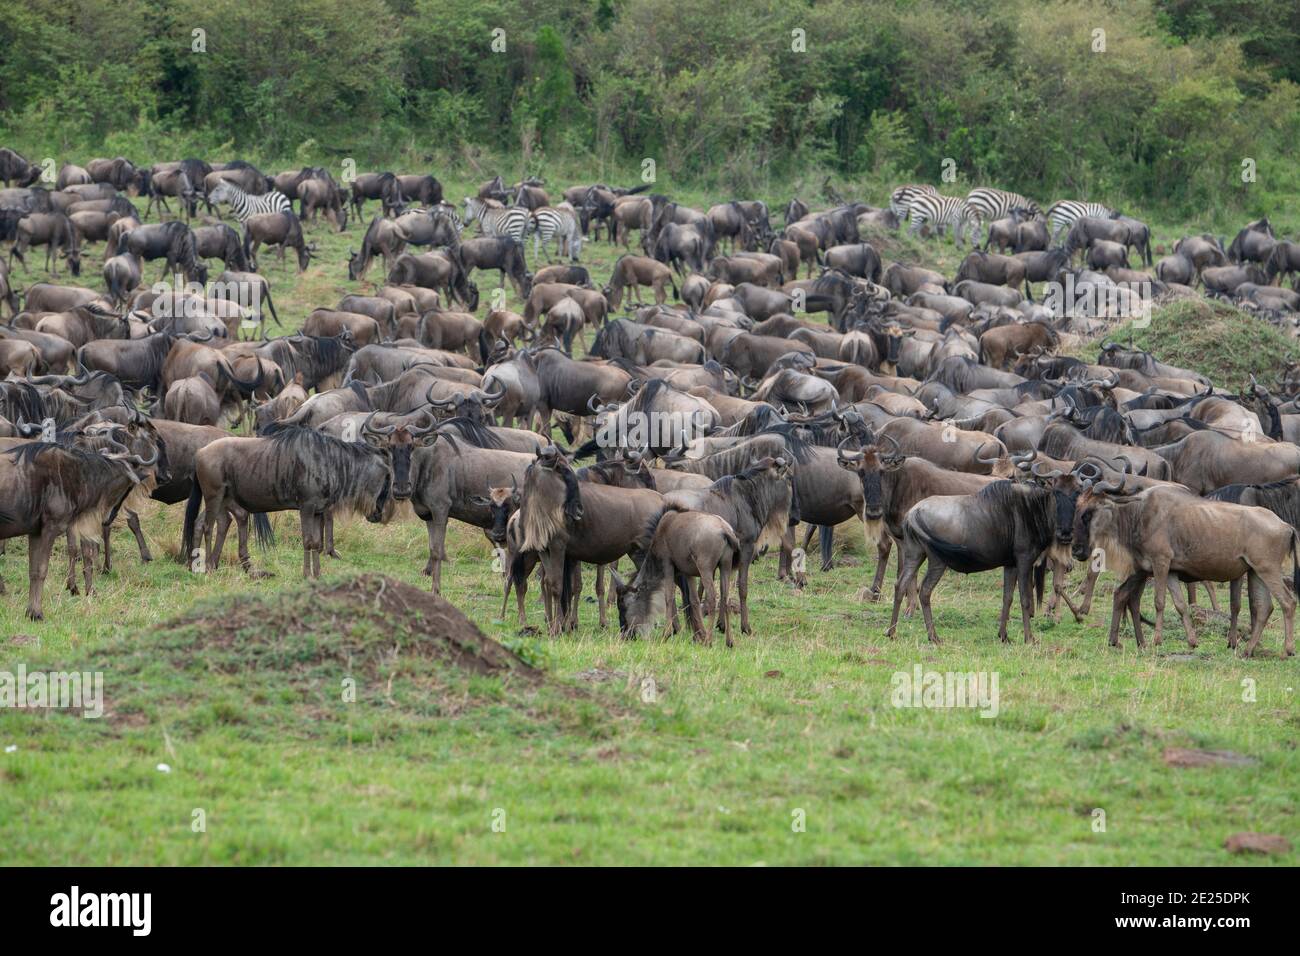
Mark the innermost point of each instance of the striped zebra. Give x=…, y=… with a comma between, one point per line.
x=990, y=205
x=243, y=204
x=901, y=198
x=558, y=223
x=942, y=212
x=497, y=220
x=1063, y=213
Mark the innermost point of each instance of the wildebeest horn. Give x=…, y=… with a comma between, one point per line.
x=856, y=456
x=417, y=431
x=1054, y=473
x=437, y=402
x=898, y=449
x=491, y=398
x=982, y=460
x=375, y=430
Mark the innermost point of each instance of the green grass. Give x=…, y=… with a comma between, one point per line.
x=242, y=700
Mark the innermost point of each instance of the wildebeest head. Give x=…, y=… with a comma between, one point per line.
x=398, y=442
x=1095, y=514
x=868, y=463
x=551, y=498
x=501, y=503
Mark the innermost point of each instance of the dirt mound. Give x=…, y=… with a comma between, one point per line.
x=363, y=621
x=367, y=654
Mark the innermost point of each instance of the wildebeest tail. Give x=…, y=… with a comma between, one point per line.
x=1040, y=577
x=1295, y=566
x=566, y=589
x=191, y=517
x=484, y=345
x=263, y=531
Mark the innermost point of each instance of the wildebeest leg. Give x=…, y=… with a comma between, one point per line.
x=436, y=525
x=1234, y=611
x=311, y=540
x=1089, y=583
x=241, y=535
x=742, y=588
x=826, y=535
x=1184, y=610
x=553, y=578
x=1008, y=589
x=70, y=581
x=223, y=527
x=600, y=595
x=1214, y=596
x=1271, y=580
x=932, y=575
x=693, y=610
x=724, y=594
x=1160, y=574
x=1025, y=575
x=909, y=560
x=88, y=565
x=574, y=570
x=710, y=598
x=1135, y=609
x=883, y=547
x=132, y=522
x=1261, y=606
x=39, y=547
x=329, y=535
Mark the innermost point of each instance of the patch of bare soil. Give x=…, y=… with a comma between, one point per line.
x=1185, y=757
x=1257, y=843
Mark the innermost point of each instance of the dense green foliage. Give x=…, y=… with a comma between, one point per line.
x=1160, y=110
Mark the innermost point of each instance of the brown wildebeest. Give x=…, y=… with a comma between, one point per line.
x=56, y=233
x=631, y=212
x=331, y=322
x=683, y=545
x=319, y=195
x=193, y=401
x=1163, y=530
x=383, y=237
x=282, y=229
x=567, y=522
x=1000, y=347
x=14, y=168
x=122, y=274
x=635, y=271
x=992, y=268
x=177, y=184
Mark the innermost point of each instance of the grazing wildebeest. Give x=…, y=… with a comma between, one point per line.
x=495, y=252
x=683, y=545
x=383, y=237
x=56, y=232
x=282, y=229
x=381, y=186
x=221, y=242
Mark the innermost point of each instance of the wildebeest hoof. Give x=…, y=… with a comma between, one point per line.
x=35, y=615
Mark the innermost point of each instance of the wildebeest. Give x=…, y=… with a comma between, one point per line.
x=1161, y=531
x=57, y=233
x=16, y=169
x=172, y=242
x=296, y=469
x=51, y=491
x=682, y=545
x=1006, y=524
x=282, y=229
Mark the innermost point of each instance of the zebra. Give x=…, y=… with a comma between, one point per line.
x=1063, y=213
x=496, y=220
x=990, y=205
x=558, y=223
x=900, y=199
x=244, y=205
x=942, y=211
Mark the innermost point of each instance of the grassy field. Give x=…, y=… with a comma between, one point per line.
x=785, y=750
